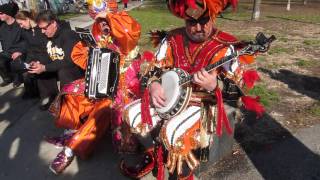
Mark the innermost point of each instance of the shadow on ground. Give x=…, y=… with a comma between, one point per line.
x=307, y=85
x=274, y=151
x=24, y=154
x=267, y=150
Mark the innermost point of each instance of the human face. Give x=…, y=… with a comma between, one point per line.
x=104, y=26
x=24, y=23
x=199, y=30
x=4, y=17
x=48, y=28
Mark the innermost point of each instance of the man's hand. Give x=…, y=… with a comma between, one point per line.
x=36, y=68
x=15, y=55
x=32, y=63
x=206, y=80
x=157, y=95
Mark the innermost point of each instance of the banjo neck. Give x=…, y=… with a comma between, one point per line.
x=210, y=67
x=261, y=44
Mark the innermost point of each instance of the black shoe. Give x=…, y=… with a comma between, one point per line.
x=5, y=83
x=45, y=103
x=16, y=83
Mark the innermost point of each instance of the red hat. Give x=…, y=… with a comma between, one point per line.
x=194, y=9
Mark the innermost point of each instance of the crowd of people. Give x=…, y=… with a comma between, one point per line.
x=41, y=50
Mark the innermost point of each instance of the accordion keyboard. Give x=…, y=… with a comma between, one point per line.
x=104, y=72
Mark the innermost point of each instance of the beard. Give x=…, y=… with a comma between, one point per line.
x=198, y=37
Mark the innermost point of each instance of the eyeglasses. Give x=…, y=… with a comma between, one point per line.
x=46, y=27
x=201, y=21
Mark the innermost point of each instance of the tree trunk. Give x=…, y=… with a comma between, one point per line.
x=304, y=2
x=256, y=10
x=288, y=5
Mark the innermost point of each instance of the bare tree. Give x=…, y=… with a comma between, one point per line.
x=288, y=5
x=256, y=10
x=304, y=2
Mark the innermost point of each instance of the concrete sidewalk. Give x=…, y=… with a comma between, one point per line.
x=84, y=21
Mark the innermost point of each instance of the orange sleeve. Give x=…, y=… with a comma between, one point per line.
x=80, y=54
x=125, y=30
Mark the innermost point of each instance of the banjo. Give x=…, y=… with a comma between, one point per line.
x=174, y=81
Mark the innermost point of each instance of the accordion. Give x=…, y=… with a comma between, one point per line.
x=102, y=74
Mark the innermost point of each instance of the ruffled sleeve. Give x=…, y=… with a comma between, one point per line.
x=79, y=55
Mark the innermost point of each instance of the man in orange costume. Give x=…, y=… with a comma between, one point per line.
x=89, y=119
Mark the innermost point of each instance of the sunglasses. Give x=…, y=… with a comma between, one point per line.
x=201, y=21
x=46, y=27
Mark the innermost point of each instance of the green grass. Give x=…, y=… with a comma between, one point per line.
x=261, y=58
x=245, y=37
x=303, y=63
x=315, y=109
x=68, y=16
x=312, y=42
x=243, y=13
x=303, y=18
x=151, y=18
x=283, y=39
x=278, y=50
x=267, y=97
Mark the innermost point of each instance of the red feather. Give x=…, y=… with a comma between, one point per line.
x=222, y=119
x=252, y=104
x=160, y=175
x=192, y=3
x=145, y=108
x=147, y=56
x=250, y=77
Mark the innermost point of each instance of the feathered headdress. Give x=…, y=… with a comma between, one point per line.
x=194, y=9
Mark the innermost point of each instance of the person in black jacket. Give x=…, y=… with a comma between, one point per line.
x=36, y=42
x=10, y=37
x=61, y=40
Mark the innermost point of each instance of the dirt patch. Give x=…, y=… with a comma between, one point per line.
x=290, y=68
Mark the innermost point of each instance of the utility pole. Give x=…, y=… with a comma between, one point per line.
x=288, y=5
x=256, y=10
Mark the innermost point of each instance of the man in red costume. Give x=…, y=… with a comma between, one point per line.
x=88, y=119
x=188, y=138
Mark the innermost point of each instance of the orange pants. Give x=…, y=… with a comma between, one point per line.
x=96, y=117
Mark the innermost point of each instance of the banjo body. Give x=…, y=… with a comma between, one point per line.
x=177, y=96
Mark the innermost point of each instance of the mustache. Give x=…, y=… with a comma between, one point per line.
x=199, y=32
